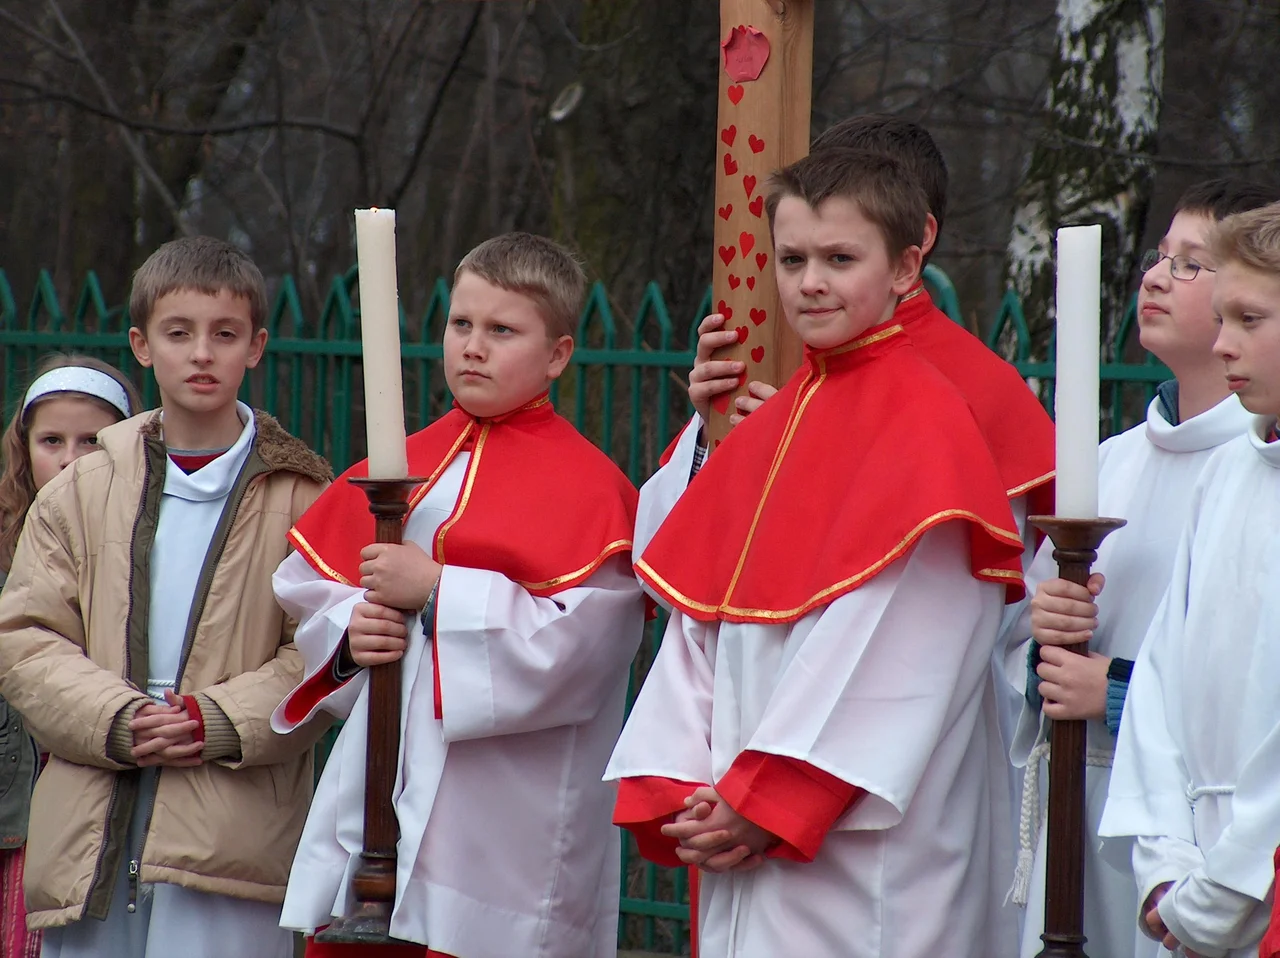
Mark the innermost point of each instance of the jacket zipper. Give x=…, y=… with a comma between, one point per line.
x=128, y=667
x=252, y=468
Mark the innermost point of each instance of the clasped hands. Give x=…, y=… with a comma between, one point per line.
x=165, y=734
x=396, y=579
x=1156, y=927
x=1073, y=686
x=715, y=838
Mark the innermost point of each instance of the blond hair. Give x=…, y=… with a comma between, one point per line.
x=537, y=268
x=199, y=263
x=1251, y=239
x=17, y=483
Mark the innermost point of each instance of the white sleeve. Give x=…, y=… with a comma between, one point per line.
x=1211, y=919
x=668, y=734
x=908, y=652
x=322, y=609
x=1159, y=860
x=659, y=494
x=1147, y=794
x=509, y=661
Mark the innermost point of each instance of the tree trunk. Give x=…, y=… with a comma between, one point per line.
x=1089, y=165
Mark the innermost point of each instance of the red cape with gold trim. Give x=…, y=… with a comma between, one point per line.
x=865, y=449
x=1014, y=424
x=1017, y=428
x=539, y=504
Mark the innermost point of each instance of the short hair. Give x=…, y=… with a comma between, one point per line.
x=1251, y=238
x=876, y=182
x=202, y=264
x=537, y=268
x=1225, y=196
x=908, y=143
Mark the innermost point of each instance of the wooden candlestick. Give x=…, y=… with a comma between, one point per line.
x=1076, y=544
x=374, y=883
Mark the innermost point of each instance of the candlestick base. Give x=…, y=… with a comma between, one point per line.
x=374, y=884
x=1076, y=544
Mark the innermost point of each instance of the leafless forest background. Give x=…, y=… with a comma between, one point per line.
x=126, y=122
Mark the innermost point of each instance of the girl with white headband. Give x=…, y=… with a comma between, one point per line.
x=68, y=401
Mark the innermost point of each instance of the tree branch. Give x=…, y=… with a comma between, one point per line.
x=131, y=144
x=139, y=125
x=433, y=111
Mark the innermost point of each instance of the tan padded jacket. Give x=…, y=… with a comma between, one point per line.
x=73, y=656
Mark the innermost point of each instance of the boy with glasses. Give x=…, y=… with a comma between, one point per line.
x=1146, y=475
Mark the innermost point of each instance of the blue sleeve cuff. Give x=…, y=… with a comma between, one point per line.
x=1117, y=688
x=1032, y=693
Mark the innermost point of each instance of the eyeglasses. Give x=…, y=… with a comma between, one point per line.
x=1182, y=267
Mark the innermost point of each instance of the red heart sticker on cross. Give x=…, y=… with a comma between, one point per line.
x=758, y=316
x=749, y=183
x=756, y=206
x=730, y=166
x=756, y=144
x=735, y=94
x=726, y=211
x=751, y=282
x=742, y=332
x=734, y=282
x=729, y=134
x=727, y=253
x=724, y=310
x=761, y=259
x=748, y=242
x=757, y=354
x=721, y=403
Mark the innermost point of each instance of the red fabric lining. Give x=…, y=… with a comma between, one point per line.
x=792, y=799
x=670, y=450
x=317, y=950
x=192, y=705
x=644, y=805
x=311, y=692
x=435, y=663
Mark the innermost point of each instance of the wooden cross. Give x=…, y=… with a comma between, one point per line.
x=763, y=125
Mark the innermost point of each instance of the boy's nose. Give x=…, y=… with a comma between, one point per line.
x=1159, y=276
x=1224, y=347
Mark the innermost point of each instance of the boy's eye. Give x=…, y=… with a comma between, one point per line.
x=841, y=258
x=90, y=440
x=51, y=440
x=791, y=259
x=502, y=329
x=459, y=322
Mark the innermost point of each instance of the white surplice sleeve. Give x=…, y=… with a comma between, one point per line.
x=322, y=609
x=659, y=494
x=1149, y=778
x=510, y=662
x=668, y=733
x=884, y=674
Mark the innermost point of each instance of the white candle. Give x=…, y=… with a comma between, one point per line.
x=380, y=342
x=1076, y=399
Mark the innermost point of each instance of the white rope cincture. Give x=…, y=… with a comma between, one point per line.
x=1031, y=819
x=1204, y=791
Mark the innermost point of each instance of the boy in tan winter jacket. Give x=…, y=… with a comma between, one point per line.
x=140, y=640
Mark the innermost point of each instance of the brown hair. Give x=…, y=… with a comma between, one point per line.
x=1217, y=199
x=17, y=485
x=908, y=143
x=537, y=268
x=1251, y=238
x=199, y=263
x=880, y=185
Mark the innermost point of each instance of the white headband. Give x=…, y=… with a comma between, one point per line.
x=78, y=379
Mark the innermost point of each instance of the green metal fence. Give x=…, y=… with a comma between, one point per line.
x=625, y=389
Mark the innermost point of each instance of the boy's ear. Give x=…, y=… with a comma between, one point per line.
x=907, y=271
x=257, y=345
x=930, y=233
x=561, y=353
x=141, y=349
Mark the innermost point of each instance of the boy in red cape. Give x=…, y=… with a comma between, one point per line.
x=523, y=620
x=818, y=732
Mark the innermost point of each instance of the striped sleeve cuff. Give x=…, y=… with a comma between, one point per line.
x=1118, y=674
x=119, y=736
x=221, y=740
